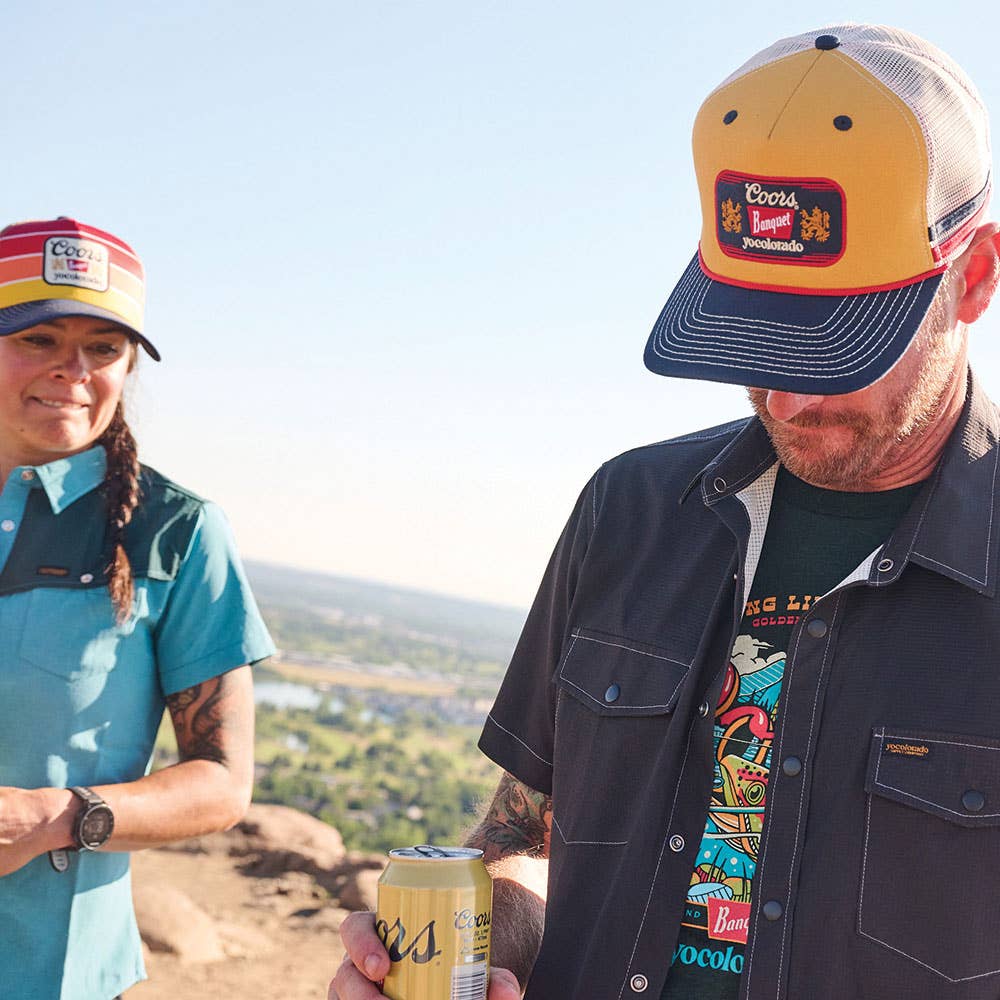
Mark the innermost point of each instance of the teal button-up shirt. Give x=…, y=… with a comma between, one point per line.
x=81, y=696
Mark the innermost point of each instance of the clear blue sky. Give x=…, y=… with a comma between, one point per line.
x=402, y=257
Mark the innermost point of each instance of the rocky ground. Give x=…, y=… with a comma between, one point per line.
x=249, y=913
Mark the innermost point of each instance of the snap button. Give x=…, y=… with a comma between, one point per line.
x=884, y=565
x=772, y=910
x=612, y=693
x=87, y=578
x=27, y=475
x=677, y=843
x=719, y=484
x=973, y=800
x=791, y=766
x=704, y=708
x=7, y=525
x=639, y=984
x=816, y=628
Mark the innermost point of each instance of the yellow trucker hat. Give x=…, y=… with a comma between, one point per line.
x=840, y=172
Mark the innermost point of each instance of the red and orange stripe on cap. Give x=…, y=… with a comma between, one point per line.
x=29, y=252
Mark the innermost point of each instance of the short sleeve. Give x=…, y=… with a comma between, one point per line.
x=210, y=623
x=518, y=733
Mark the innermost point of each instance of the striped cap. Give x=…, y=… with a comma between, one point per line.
x=65, y=268
x=840, y=172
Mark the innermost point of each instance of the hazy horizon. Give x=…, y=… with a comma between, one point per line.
x=402, y=260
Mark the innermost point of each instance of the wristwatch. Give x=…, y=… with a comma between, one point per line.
x=92, y=827
x=94, y=823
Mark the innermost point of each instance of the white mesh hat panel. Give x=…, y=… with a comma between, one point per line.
x=942, y=98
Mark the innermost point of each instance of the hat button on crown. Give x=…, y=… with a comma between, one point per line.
x=827, y=42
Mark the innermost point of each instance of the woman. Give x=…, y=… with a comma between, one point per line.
x=119, y=592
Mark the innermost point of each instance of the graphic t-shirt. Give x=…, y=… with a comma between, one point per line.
x=814, y=539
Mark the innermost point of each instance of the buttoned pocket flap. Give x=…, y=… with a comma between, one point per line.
x=612, y=675
x=953, y=777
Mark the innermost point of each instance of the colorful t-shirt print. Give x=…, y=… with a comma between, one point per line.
x=815, y=538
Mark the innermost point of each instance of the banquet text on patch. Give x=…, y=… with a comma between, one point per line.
x=780, y=220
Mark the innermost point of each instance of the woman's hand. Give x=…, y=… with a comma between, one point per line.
x=32, y=821
x=366, y=963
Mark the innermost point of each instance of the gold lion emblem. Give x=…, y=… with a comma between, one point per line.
x=815, y=225
x=732, y=216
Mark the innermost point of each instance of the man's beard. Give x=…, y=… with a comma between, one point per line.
x=866, y=442
x=850, y=463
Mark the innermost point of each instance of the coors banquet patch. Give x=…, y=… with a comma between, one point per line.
x=781, y=220
x=70, y=260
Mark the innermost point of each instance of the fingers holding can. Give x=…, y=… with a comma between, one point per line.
x=365, y=962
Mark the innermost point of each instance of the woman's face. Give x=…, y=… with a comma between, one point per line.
x=59, y=385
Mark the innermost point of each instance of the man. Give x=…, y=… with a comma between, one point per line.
x=754, y=704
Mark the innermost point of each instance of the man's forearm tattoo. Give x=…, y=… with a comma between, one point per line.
x=517, y=821
x=200, y=715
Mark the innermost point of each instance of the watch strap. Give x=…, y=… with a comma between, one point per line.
x=88, y=795
x=59, y=859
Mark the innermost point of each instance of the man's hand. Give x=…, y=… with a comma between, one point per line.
x=514, y=838
x=367, y=963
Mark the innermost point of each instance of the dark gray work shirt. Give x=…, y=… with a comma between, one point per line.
x=877, y=877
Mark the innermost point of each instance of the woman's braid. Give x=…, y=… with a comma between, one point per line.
x=121, y=489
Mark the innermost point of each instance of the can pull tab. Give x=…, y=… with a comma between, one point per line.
x=429, y=851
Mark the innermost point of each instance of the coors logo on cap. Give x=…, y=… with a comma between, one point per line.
x=73, y=261
x=780, y=220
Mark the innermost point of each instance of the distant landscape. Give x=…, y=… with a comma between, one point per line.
x=369, y=715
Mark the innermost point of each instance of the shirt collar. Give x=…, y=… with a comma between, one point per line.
x=952, y=527
x=67, y=479
x=744, y=459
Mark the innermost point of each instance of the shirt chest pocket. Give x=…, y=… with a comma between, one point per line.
x=930, y=879
x=615, y=702
x=73, y=634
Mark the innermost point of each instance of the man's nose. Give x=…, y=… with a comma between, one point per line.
x=785, y=405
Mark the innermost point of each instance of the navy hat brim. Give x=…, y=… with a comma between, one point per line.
x=817, y=344
x=14, y=319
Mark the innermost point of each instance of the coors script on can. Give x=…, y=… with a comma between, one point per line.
x=433, y=917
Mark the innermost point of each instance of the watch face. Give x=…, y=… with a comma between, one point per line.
x=96, y=826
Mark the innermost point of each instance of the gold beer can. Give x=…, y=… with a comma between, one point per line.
x=433, y=916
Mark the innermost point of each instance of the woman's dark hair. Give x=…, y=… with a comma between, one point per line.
x=121, y=489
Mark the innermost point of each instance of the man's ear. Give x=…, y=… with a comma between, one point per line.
x=979, y=267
